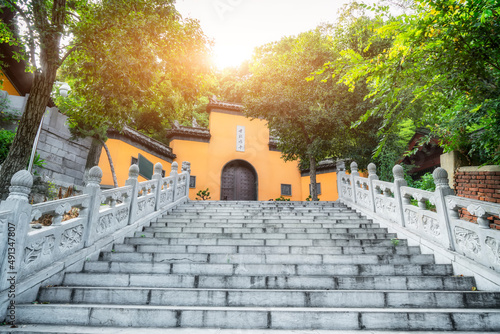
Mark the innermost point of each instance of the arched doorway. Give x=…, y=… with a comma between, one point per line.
x=238, y=182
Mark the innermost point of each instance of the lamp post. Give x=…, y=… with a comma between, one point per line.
x=64, y=89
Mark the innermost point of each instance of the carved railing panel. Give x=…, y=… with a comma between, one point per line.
x=363, y=197
x=476, y=241
x=385, y=204
x=345, y=186
x=436, y=216
x=49, y=244
x=167, y=190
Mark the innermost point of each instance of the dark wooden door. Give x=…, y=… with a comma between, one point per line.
x=238, y=182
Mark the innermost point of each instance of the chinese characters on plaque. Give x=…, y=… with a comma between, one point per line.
x=240, y=138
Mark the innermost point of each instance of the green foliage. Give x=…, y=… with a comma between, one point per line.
x=140, y=64
x=37, y=162
x=203, y=195
x=308, y=198
x=395, y=242
x=282, y=199
x=6, y=138
x=442, y=68
x=426, y=182
x=231, y=83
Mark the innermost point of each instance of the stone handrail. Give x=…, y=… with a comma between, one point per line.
x=35, y=254
x=441, y=226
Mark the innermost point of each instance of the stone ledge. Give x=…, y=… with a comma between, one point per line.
x=490, y=168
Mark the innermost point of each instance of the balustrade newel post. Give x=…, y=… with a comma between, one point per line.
x=175, y=175
x=186, y=167
x=158, y=177
x=399, y=181
x=443, y=189
x=15, y=228
x=133, y=175
x=354, y=173
x=93, y=188
x=340, y=172
x=372, y=175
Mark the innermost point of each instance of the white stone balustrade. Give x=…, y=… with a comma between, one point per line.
x=439, y=228
x=38, y=255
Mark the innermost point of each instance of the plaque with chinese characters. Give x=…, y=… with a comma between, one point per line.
x=240, y=138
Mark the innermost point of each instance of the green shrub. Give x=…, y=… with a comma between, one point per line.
x=6, y=139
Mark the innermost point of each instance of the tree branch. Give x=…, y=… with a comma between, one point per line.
x=31, y=41
x=66, y=55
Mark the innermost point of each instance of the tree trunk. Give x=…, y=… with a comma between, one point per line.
x=312, y=176
x=111, y=166
x=92, y=157
x=20, y=149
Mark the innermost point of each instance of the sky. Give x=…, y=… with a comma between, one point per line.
x=238, y=26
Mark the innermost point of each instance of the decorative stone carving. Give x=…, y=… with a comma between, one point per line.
x=372, y=169
x=431, y=226
x=71, y=238
x=440, y=176
x=133, y=172
x=21, y=184
x=390, y=207
x=174, y=168
x=61, y=209
x=467, y=240
x=122, y=215
x=42, y=247
x=141, y=206
x=411, y=218
x=363, y=198
x=158, y=168
x=494, y=247
x=95, y=176
x=163, y=198
x=398, y=172
x=354, y=167
x=105, y=223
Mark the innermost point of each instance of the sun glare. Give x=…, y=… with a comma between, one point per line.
x=230, y=57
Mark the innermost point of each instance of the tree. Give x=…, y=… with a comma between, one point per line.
x=310, y=117
x=119, y=55
x=444, y=67
x=231, y=83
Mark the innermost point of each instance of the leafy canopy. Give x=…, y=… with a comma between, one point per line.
x=443, y=67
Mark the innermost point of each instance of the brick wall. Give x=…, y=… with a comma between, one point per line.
x=482, y=184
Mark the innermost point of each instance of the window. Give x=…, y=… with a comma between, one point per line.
x=192, y=181
x=146, y=167
x=286, y=190
x=318, y=188
x=134, y=161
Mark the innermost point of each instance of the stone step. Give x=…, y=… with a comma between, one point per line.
x=437, y=283
x=267, y=222
x=65, y=329
x=210, y=223
x=269, y=298
x=253, y=317
x=228, y=269
x=351, y=250
x=258, y=231
x=267, y=217
x=258, y=236
x=262, y=242
x=265, y=210
x=266, y=258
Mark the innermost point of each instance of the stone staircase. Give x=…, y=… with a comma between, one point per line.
x=297, y=267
